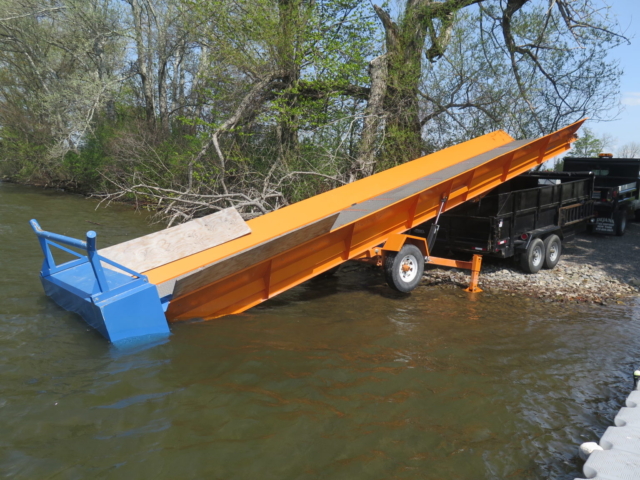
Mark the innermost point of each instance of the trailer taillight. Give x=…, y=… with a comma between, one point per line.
x=524, y=236
x=502, y=242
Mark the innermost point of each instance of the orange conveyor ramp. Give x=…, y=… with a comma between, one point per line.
x=293, y=244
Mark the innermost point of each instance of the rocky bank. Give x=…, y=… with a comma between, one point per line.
x=593, y=269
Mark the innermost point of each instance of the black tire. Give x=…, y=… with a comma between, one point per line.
x=552, y=251
x=620, y=220
x=532, y=260
x=636, y=214
x=403, y=270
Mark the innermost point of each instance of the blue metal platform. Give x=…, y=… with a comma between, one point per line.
x=121, y=304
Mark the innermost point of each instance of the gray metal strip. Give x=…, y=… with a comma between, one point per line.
x=374, y=204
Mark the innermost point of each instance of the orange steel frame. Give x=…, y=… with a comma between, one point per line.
x=242, y=290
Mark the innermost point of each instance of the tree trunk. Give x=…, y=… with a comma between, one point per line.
x=287, y=129
x=365, y=163
x=405, y=43
x=163, y=107
x=178, y=81
x=143, y=60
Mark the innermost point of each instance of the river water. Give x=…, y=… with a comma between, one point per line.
x=338, y=379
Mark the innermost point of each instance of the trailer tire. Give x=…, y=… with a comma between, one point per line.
x=620, y=222
x=532, y=260
x=552, y=251
x=403, y=270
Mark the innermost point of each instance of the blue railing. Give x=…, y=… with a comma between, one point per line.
x=49, y=267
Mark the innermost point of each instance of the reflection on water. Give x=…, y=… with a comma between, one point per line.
x=340, y=378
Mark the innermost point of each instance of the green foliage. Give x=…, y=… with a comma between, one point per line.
x=20, y=160
x=103, y=95
x=558, y=166
x=82, y=167
x=587, y=145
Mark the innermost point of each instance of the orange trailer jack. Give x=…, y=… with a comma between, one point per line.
x=476, y=263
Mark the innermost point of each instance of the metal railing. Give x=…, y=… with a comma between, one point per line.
x=49, y=267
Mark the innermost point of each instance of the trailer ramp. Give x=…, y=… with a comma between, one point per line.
x=291, y=245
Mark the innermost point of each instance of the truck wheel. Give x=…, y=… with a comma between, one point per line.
x=621, y=222
x=553, y=250
x=403, y=270
x=532, y=260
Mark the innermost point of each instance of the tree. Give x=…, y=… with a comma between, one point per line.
x=58, y=69
x=588, y=144
x=292, y=109
x=199, y=105
x=630, y=150
x=537, y=66
x=284, y=84
x=298, y=69
x=405, y=44
x=558, y=165
x=167, y=54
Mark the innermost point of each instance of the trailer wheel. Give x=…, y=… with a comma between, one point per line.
x=403, y=270
x=532, y=260
x=553, y=250
x=620, y=220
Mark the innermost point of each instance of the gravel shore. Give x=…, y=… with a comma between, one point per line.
x=593, y=269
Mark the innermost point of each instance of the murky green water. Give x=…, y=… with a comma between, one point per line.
x=338, y=379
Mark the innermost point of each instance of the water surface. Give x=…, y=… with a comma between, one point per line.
x=337, y=379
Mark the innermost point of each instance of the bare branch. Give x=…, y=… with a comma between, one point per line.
x=33, y=14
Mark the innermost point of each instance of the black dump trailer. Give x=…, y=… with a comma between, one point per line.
x=617, y=185
x=527, y=218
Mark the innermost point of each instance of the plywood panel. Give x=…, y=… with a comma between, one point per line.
x=160, y=248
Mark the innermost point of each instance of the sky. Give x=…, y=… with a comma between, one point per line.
x=626, y=128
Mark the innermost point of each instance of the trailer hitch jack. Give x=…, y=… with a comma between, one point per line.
x=474, y=265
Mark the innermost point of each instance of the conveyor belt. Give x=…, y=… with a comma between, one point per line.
x=287, y=246
x=296, y=248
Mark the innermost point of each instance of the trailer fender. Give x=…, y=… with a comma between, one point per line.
x=547, y=232
x=395, y=243
x=522, y=245
x=541, y=234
